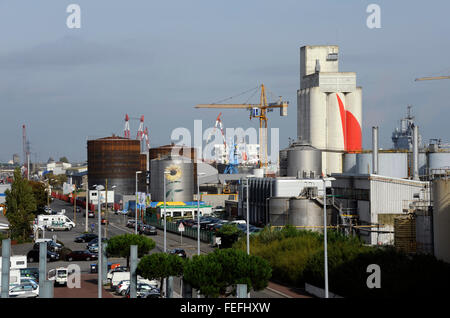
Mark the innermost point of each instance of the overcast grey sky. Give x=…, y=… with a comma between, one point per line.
x=160, y=58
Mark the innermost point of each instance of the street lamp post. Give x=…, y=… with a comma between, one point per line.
x=106, y=213
x=87, y=206
x=99, y=266
x=198, y=212
x=135, y=208
x=325, y=246
x=247, y=208
x=165, y=204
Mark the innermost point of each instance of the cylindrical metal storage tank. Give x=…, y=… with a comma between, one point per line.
x=116, y=159
x=307, y=214
x=390, y=164
x=349, y=163
x=278, y=211
x=304, y=162
x=393, y=164
x=438, y=160
x=441, y=218
x=364, y=163
x=180, y=182
x=318, y=113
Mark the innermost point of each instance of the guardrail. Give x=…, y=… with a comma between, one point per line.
x=205, y=236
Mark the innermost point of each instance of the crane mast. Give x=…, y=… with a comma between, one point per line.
x=256, y=111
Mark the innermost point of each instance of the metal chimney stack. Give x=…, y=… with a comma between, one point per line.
x=375, y=150
x=416, y=153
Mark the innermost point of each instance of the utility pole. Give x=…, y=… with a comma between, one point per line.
x=87, y=204
x=74, y=205
x=106, y=212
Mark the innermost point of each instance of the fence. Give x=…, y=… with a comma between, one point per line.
x=205, y=236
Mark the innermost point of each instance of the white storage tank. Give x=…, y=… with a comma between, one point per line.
x=438, y=160
x=304, y=162
x=390, y=164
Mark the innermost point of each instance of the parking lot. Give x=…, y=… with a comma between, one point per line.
x=117, y=226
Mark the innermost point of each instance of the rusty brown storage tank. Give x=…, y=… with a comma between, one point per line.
x=116, y=159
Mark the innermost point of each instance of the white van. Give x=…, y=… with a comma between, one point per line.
x=117, y=277
x=55, y=221
x=58, y=275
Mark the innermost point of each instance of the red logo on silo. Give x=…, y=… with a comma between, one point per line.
x=351, y=129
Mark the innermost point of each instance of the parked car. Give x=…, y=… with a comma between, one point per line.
x=130, y=223
x=121, y=288
x=32, y=273
x=33, y=256
x=87, y=237
x=178, y=251
x=147, y=230
x=51, y=245
x=151, y=293
x=93, y=248
x=80, y=256
x=95, y=242
x=91, y=214
x=144, y=291
x=28, y=289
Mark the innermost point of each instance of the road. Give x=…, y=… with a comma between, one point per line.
x=117, y=227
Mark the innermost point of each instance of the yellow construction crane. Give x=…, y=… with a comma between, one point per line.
x=432, y=78
x=257, y=111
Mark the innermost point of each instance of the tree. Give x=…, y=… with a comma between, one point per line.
x=20, y=203
x=160, y=266
x=229, y=233
x=56, y=180
x=119, y=246
x=40, y=195
x=64, y=159
x=216, y=274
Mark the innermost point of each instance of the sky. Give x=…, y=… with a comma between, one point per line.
x=161, y=58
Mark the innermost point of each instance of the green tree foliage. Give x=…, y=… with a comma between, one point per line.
x=40, y=195
x=297, y=256
x=402, y=275
x=64, y=159
x=56, y=181
x=229, y=233
x=287, y=251
x=20, y=203
x=119, y=246
x=159, y=266
x=216, y=274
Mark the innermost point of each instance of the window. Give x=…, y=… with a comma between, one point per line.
x=177, y=213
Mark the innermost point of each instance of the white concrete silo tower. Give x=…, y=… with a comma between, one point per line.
x=329, y=106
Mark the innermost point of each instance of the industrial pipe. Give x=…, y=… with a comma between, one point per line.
x=375, y=150
x=416, y=153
